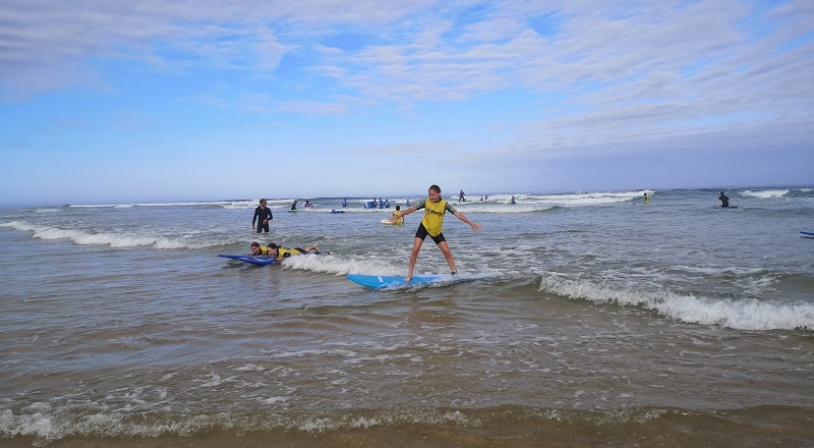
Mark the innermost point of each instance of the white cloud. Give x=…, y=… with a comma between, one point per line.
x=622, y=70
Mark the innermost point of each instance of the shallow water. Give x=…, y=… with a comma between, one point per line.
x=578, y=320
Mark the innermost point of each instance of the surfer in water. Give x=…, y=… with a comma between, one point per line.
x=432, y=224
x=400, y=220
x=262, y=215
x=285, y=252
x=294, y=206
x=257, y=249
x=724, y=200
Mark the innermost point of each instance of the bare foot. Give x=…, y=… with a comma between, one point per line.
x=407, y=279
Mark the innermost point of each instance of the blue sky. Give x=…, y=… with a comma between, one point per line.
x=132, y=101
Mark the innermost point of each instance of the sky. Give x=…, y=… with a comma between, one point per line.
x=130, y=101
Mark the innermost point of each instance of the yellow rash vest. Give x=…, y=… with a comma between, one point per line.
x=434, y=216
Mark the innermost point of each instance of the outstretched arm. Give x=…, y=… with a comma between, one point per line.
x=463, y=218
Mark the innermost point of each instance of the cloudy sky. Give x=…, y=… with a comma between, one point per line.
x=194, y=100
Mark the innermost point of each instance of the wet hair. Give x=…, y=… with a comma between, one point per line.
x=273, y=246
x=435, y=188
x=262, y=201
x=398, y=208
x=255, y=244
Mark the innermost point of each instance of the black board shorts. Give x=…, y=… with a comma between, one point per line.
x=422, y=233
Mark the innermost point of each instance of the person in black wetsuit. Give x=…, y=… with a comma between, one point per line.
x=724, y=200
x=262, y=215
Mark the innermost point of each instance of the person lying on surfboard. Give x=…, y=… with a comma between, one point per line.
x=257, y=249
x=434, y=209
x=285, y=252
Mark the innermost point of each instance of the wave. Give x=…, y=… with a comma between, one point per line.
x=571, y=199
x=744, y=314
x=338, y=266
x=116, y=240
x=764, y=194
x=229, y=204
x=446, y=426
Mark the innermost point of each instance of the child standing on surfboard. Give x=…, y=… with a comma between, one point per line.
x=434, y=209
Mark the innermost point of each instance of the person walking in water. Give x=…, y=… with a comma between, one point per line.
x=262, y=215
x=724, y=200
x=432, y=224
x=461, y=197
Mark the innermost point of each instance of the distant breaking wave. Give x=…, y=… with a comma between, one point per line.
x=117, y=240
x=745, y=314
x=765, y=194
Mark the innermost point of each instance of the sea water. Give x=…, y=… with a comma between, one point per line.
x=580, y=319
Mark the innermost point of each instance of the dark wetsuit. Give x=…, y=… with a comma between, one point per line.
x=261, y=214
x=724, y=200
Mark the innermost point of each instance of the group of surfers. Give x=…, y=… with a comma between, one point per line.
x=434, y=206
x=273, y=250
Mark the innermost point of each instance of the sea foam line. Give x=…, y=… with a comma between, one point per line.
x=116, y=240
x=765, y=194
x=744, y=314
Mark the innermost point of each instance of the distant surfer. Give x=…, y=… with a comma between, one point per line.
x=344, y=202
x=262, y=215
x=432, y=224
x=285, y=252
x=724, y=200
x=408, y=202
x=461, y=197
x=514, y=201
x=307, y=203
x=646, y=199
x=294, y=206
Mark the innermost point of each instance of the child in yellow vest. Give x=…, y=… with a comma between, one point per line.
x=400, y=220
x=434, y=209
x=258, y=250
x=285, y=252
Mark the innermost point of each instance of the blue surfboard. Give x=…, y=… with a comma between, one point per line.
x=391, y=281
x=807, y=233
x=259, y=260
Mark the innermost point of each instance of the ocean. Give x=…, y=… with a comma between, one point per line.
x=585, y=319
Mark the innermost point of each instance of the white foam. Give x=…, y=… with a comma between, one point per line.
x=743, y=314
x=503, y=209
x=732, y=270
x=336, y=265
x=765, y=194
x=117, y=240
x=314, y=352
x=274, y=400
x=569, y=199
